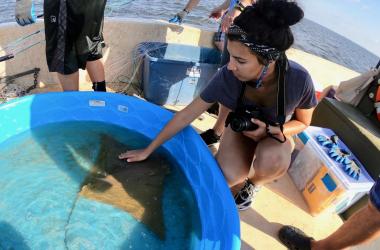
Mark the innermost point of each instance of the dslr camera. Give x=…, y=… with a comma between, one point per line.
x=240, y=120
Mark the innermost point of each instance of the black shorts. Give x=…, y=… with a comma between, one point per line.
x=73, y=33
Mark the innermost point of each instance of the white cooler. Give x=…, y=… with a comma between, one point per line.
x=323, y=182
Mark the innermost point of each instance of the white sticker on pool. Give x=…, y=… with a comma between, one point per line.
x=97, y=103
x=122, y=108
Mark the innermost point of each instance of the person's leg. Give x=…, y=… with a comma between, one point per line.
x=235, y=156
x=60, y=53
x=95, y=70
x=236, y=152
x=69, y=82
x=361, y=227
x=272, y=160
x=87, y=20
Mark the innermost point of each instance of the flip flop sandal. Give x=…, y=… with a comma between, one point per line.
x=294, y=239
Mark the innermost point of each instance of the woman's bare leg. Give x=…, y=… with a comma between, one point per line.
x=236, y=153
x=69, y=82
x=272, y=160
x=235, y=156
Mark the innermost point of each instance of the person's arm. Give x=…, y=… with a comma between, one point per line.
x=233, y=13
x=304, y=111
x=225, y=5
x=218, y=11
x=301, y=122
x=191, y=5
x=178, y=18
x=179, y=121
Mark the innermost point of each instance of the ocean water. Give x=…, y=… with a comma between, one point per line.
x=51, y=197
x=310, y=36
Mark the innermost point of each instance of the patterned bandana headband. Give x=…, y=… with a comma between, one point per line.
x=266, y=52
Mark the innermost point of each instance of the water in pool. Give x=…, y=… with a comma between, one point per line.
x=62, y=187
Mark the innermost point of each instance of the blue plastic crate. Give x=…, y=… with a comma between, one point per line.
x=175, y=74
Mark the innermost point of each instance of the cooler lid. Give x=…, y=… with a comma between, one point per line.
x=309, y=136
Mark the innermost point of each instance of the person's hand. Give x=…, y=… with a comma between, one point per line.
x=226, y=22
x=229, y=18
x=178, y=18
x=24, y=12
x=276, y=132
x=258, y=133
x=216, y=13
x=134, y=155
x=261, y=132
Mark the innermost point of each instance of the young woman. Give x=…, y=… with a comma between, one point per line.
x=259, y=83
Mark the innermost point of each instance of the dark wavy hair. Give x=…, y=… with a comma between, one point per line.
x=268, y=22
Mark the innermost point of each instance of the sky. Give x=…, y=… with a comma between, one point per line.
x=357, y=20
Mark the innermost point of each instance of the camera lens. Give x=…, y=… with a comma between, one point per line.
x=239, y=124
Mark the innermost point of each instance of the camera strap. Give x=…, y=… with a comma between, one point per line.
x=282, y=68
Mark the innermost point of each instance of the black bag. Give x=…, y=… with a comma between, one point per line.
x=367, y=103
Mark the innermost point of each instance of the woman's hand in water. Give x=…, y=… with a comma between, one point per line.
x=258, y=133
x=134, y=155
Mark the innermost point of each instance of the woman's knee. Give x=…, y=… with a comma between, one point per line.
x=273, y=158
x=234, y=179
x=271, y=163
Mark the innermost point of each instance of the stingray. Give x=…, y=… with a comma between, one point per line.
x=136, y=188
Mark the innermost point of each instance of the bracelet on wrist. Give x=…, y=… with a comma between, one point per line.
x=185, y=10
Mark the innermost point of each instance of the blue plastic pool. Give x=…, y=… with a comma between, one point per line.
x=217, y=213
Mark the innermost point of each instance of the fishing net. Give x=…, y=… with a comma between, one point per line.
x=128, y=71
x=10, y=89
x=19, y=84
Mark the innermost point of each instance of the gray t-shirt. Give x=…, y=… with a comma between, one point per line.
x=225, y=88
